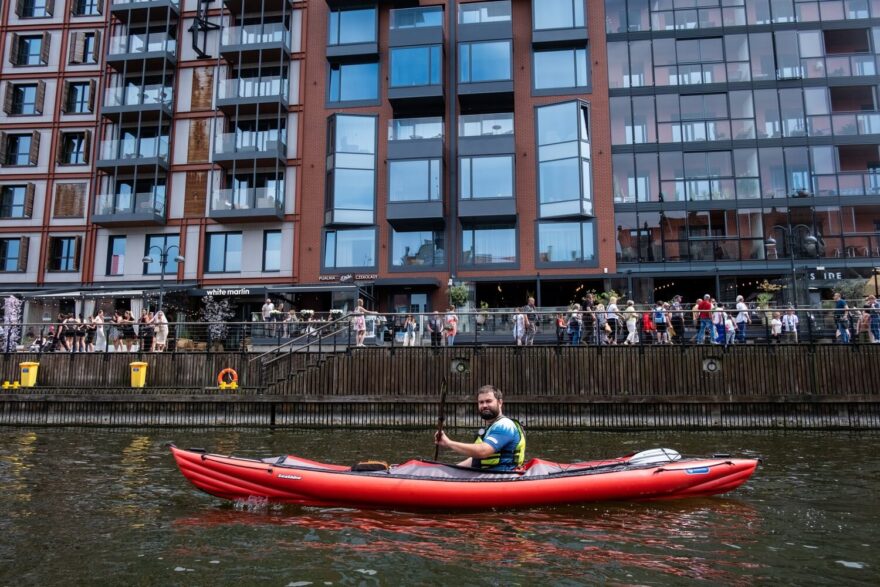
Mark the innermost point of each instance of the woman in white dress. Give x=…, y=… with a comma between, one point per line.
x=520, y=327
x=100, y=335
x=161, y=323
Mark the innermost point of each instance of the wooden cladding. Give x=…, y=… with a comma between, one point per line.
x=199, y=141
x=23, y=249
x=70, y=200
x=202, y=89
x=195, y=194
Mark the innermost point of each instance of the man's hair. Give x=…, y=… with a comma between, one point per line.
x=490, y=389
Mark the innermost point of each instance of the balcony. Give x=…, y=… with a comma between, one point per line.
x=564, y=26
x=133, y=103
x=245, y=95
x=416, y=26
x=129, y=209
x=261, y=148
x=238, y=7
x=486, y=134
x=132, y=11
x=249, y=43
x=243, y=205
x=127, y=154
x=846, y=184
x=416, y=79
x=487, y=21
x=844, y=124
x=419, y=138
x=155, y=50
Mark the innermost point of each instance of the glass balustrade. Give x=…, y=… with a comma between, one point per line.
x=482, y=125
x=142, y=43
x=141, y=148
x=256, y=34
x=405, y=129
x=270, y=142
x=128, y=203
x=248, y=199
x=259, y=87
x=139, y=95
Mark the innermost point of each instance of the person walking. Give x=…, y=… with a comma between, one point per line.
x=520, y=327
x=450, y=325
x=100, y=334
x=612, y=317
x=704, y=313
x=91, y=331
x=661, y=322
x=532, y=318
x=266, y=312
x=841, y=318
x=730, y=330
x=742, y=319
x=631, y=317
x=574, y=325
x=677, y=320
x=161, y=326
x=435, y=328
x=360, y=322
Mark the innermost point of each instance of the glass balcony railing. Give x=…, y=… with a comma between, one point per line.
x=407, y=129
x=839, y=66
x=846, y=184
x=139, y=95
x=414, y=18
x=269, y=199
x=256, y=34
x=483, y=125
x=134, y=44
x=269, y=142
x=484, y=12
x=258, y=87
x=143, y=148
x=142, y=203
x=844, y=123
x=135, y=2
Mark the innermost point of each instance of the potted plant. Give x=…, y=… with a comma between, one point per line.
x=458, y=295
x=336, y=314
x=307, y=314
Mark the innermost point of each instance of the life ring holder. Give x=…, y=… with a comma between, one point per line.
x=228, y=371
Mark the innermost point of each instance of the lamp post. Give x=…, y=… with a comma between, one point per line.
x=789, y=241
x=163, y=259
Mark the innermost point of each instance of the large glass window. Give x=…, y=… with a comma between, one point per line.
x=558, y=14
x=566, y=242
x=30, y=49
x=224, y=252
x=415, y=180
x=345, y=249
x=485, y=62
x=272, y=250
x=351, y=82
x=18, y=149
x=116, y=255
x=10, y=248
x=348, y=27
x=416, y=66
x=352, y=167
x=64, y=253
x=79, y=99
x=479, y=12
x=155, y=245
x=563, y=68
x=24, y=99
x=564, y=172
x=486, y=177
x=488, y=245
x=418, y=248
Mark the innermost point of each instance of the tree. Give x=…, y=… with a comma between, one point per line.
x=10, y=334
x=216, y=313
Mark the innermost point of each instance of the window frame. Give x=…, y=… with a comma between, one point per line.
x=340, y=103
x=211, y=238
x=79, y=8
x=334, y=14
x=4, y=259
x=73, y=152
x=471, y=228
x=594, y=262
x=17, y=137
x=583, y=110
x=432, y=162
x=434, y=266
x=266, y=234
x=562, y=90
x=335, y=269
x=62, y=259
x=435, y=75
x=469, y=44
x=111, y=240
x=18, y=104
x=470, y=174
x=148, y=244
x=25, y=52
x=9, y=192
x=74, y=100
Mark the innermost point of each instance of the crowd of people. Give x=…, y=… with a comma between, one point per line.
x=120, y=332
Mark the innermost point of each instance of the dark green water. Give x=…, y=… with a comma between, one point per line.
x=108, y=507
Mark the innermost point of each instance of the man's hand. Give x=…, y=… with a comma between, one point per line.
x=440, y=439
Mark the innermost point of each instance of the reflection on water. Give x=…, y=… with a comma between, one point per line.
x=81, y=503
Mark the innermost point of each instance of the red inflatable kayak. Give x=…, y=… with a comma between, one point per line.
x=656, y=474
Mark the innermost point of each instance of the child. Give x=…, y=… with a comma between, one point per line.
x=776, y=328
x=729, y=329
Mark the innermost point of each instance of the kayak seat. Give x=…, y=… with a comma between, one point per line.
x=370, y=466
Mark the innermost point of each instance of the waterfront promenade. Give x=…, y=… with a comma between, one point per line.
x=747, y=386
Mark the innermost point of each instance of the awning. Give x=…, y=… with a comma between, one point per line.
x=409, y=281
x=318, y=288
x=228, y=290
x=54, y=295
x=123, y=293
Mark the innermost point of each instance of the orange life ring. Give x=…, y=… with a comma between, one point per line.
x=227, y=371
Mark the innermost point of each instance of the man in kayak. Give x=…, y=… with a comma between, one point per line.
x=501, y=446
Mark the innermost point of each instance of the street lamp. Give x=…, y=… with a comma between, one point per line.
x=163, y=259
x=808, y=240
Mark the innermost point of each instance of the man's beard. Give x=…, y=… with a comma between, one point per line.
x=488, y=414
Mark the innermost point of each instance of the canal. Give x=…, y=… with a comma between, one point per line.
x=108, y=507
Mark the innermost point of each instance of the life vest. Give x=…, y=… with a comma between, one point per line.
x=518, y=454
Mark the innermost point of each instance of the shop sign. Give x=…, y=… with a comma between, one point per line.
x=221, y=291
x=348, y=277
x=827, y=275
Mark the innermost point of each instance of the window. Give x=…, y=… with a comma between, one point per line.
x=419, y=17
x=416, y=180
x=350, y=248
x=352, y=82
x=484, y=62
x=74, y=148
x=84, y=46
x=10, y=248
x=487, y=245
x=156, y=243
x=24, y=99
x=87, y=7
x=34, y=8
x=79, y=98
x=558, y=14
x=15, y=201
x=566, y=242
x=21, y=149
x=30, y=50
x=272, y=250
x=486, y=177
x=565, y=68
x=351, y=182
x=420, y=248
x=348, y=27
x=64, y=253
x=224, y=252
x=564, y=170
x=116, y=255
x=480, y=12
x=90, y=48
x=416, y=66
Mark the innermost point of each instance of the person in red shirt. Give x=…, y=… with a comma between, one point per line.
x=704, y=307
